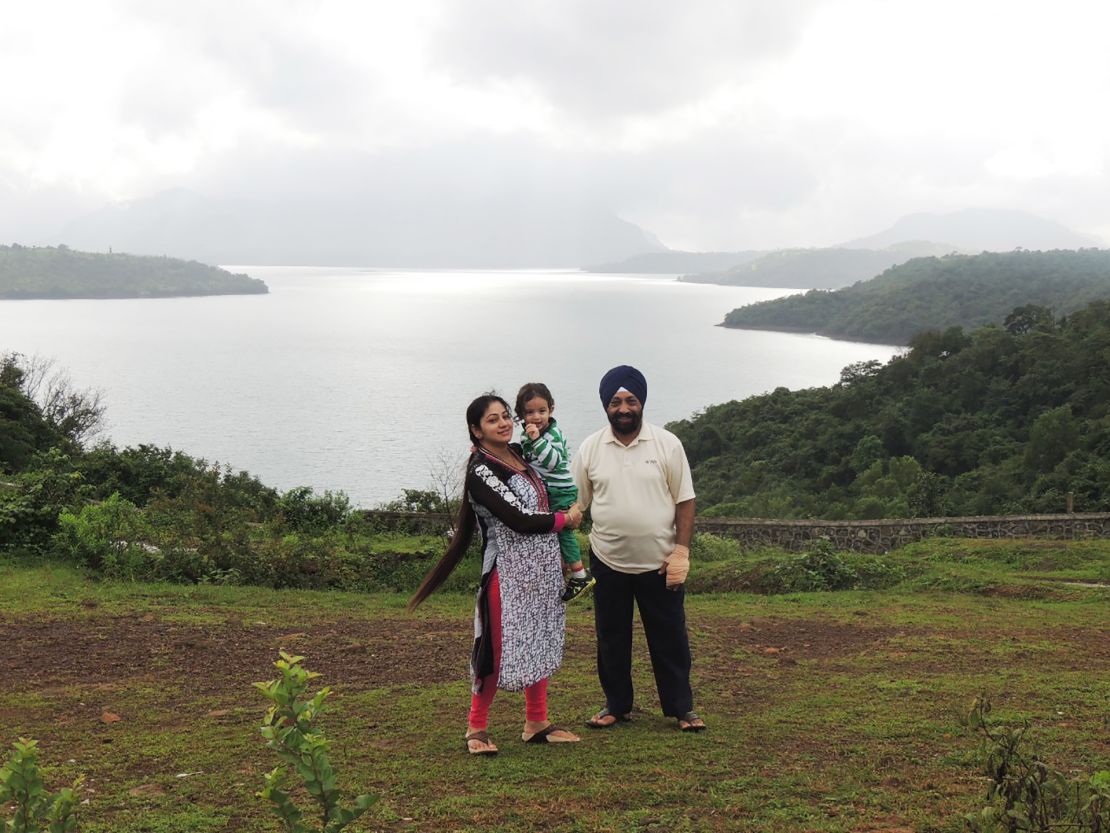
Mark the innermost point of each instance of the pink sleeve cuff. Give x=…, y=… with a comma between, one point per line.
x=560, y=521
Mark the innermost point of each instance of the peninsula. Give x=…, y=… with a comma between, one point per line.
x=55, y=272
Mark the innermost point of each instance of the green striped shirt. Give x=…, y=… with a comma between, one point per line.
x=549, y=454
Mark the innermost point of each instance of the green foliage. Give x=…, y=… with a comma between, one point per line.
x=61, y=272
x=991, y=422
x=31, y=501
x=110, y=537
x=36, y=810
x=290, y=732
x=305, y=511
x=1024, y=792
x=24, y=430
x=821, y=568
x=932, y=293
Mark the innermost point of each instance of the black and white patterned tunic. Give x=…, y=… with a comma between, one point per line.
x=519, y=542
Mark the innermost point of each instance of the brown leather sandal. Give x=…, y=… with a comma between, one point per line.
x=483, y=738
x=596, y=722
x=693, y=722
x=544, y=735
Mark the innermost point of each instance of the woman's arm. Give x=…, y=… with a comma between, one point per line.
x=487, y=489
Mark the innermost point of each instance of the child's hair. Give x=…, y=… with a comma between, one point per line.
x=530, y=390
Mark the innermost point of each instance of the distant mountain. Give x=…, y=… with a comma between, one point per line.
x=937, y=293
x=676, y=262
x=376, y=232
x=806, y=268
x=979, y=229
x=60, y=272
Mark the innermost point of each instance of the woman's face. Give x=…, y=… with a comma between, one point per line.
x=496, y=426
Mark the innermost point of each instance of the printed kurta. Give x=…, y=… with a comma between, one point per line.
x=518, y=540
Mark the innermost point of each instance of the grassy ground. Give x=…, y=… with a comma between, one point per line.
x=833, y=711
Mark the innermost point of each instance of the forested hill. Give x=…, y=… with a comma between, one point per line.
x=60, y=272
x=936, y=293
x=1002, y=420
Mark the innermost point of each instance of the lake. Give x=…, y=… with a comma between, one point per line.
x=358, y=379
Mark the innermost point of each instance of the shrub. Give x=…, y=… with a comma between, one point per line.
x=1026, y=794
x=35, y=809
x=290, y=733
x=110, y=537
x=305, y=511
x=821, y=568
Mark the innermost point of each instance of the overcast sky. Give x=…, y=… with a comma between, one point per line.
x=714, y=125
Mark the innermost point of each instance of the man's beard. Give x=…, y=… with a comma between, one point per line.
x=625, y=423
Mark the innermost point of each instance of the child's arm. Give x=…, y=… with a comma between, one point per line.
x=549, y=450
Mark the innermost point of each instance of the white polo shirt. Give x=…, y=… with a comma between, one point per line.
x=632, y=491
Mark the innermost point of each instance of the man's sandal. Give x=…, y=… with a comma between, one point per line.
x=482, y=737
x=691, y=722
x=545, y=735
x=598, y=721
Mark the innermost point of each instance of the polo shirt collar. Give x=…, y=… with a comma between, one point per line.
x=645, y=434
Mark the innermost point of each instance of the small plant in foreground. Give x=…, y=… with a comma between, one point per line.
x=36, y=810
x=290, y=733
x=1025, y=793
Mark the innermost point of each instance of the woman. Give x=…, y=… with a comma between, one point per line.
x=519, y=618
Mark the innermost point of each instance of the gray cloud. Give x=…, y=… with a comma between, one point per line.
x=606, y=59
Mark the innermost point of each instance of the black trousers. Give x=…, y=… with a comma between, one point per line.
x=664, y=618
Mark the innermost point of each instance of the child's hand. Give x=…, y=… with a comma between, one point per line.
x=532, y=430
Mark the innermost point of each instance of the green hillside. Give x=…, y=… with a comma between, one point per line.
x=60, y=272
x=937, y=293
x=1002, y=420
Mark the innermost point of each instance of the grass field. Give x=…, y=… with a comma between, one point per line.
x=827, y=711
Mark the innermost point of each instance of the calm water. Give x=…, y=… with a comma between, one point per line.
x=358, y=379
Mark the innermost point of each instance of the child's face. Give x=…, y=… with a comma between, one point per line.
x=537, y=412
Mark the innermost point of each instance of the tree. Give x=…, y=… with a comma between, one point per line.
x=77, y=414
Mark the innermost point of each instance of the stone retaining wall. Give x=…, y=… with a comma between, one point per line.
x=861, y=536
x=888, y=534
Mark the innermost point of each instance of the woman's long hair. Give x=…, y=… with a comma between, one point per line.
x=466, y=519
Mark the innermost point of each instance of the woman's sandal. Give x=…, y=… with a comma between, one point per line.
x=598, y=721
x=693, y=723
x=482, y=737
x=544, y=735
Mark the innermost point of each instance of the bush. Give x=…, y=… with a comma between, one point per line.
x=305, y=511
x=819, y=569
x=31, y=501
x=290, y=732
x=706, y=547
x=111, y=538
x=35, y=809
x=1024, y=793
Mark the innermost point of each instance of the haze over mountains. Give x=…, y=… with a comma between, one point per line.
x=917, y=235
x=484, y=230
x=513, y=228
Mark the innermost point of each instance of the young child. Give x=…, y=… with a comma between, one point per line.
x=546, y=449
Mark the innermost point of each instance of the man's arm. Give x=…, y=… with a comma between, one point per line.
x=677, y=565
x=684, y=522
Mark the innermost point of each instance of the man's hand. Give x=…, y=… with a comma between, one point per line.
x=572, y=517
x=532, y=430
x=676, y=567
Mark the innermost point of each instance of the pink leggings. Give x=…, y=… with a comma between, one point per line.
x=535, y=696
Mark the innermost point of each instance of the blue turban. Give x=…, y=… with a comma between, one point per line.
x=626, y=377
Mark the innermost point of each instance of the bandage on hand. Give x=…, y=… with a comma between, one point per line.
x=573, y=517
x=677, y=566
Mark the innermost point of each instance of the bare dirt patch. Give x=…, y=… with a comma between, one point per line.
x=112, y=650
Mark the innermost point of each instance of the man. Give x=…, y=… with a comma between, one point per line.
x=635, y=478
